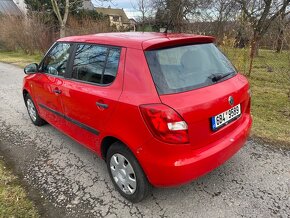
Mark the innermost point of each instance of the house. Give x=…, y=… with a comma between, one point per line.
x=88, y=5
x=8, y=7
x=117, y=17
x=21, y=5
x=133, y=24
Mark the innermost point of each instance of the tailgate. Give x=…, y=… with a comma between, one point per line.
x=198, y=106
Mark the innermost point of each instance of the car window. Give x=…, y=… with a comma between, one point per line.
x=96, y=64
x=56, y=60
x=111, y=65
x=189, y=67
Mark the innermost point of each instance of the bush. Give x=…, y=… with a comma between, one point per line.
x=37, y=32
x=87, y=25
x=30, y=35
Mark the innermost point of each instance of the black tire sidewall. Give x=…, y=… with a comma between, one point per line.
x=39, y=121
x=143, y=186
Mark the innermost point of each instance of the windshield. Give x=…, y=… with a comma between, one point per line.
x=189, y=67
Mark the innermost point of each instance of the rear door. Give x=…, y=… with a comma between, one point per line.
x=93, y=91
x=200, y=83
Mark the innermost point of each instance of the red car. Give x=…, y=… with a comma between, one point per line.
x=160, y=109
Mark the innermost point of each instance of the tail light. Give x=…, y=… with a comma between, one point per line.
x=165, y=123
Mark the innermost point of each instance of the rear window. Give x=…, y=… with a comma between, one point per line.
x=189, y=67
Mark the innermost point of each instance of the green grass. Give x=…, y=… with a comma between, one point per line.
x=270, y=84
x=19, y=58
x=13, y=198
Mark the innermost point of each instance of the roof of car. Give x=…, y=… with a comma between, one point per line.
x=140, y=40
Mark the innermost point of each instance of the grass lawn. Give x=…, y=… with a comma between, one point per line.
x=270, y=86
x=13, y=199
x=19, y=58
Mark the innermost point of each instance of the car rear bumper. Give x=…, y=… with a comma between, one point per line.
x=171, y=169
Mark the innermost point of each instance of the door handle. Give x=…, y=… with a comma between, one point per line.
x=57, y=91
x=102, y=105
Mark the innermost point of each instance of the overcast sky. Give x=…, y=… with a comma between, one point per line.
x=125, y=4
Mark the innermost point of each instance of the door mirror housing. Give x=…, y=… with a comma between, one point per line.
x=31, y=68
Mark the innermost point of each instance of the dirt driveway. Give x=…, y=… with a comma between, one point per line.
x=67, y=180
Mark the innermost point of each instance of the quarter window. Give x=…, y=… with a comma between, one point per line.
x=55, y=62
x=96, y=64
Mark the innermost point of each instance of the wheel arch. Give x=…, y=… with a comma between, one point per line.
x=24, y=93
x=107, y=142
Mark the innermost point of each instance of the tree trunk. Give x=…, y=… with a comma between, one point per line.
x=280, y=40
x=62, y=21
x=254, y=51
x=143, y=21
x=281, y=31
x=62, y=31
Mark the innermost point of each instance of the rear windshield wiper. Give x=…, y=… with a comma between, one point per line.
x=219, y=76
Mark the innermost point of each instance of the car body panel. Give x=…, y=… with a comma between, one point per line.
x=138, y=40
x=80, y=101
x=44, y=87
x=199, y=105
x=172, y=165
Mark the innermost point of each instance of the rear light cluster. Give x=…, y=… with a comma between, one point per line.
x=165, y=123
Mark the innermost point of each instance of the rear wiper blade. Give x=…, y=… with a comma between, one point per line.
x=218, y=76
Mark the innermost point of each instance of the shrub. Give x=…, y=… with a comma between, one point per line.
x=27, y=34
x=36, y=32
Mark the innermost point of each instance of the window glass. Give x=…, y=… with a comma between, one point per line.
x=96, y=64
x=112, y=65
x=188, y=67
x=55, y=62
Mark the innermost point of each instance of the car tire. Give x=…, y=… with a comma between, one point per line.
x=126, y=173
x=32, y=112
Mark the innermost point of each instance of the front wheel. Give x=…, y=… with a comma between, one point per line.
x=126, y=173
x=32, y=111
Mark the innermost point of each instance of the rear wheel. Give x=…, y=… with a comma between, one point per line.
x=126, y=173
x=32, y=111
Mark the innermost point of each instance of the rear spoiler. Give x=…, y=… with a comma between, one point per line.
x=173, y=40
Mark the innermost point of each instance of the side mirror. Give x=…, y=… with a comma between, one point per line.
x=31, y=69
x=52, y=71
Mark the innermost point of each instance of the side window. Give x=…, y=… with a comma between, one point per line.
x=96, y=64
x=112, y=65
x=55, y=62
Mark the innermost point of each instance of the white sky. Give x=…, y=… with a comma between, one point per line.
x=125, y=4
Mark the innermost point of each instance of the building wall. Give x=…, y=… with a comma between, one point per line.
x=21, y=5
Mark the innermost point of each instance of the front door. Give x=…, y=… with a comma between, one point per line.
x=48, y=84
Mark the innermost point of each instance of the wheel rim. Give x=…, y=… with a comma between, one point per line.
x=123, y=174
x=31, y=110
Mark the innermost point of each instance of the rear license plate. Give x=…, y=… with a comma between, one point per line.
x=225, y=117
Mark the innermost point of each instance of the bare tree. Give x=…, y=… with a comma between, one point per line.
x=62, y=8
x=222, y=11
x=61, y=19
x=144, y=7
x=282, y=23
x=260, y=14
x=175, y=13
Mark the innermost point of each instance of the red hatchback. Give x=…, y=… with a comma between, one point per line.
x=160, y=109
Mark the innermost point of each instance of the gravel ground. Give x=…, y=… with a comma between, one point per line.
x=67, y=180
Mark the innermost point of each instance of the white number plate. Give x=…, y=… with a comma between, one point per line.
x=225, y=117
